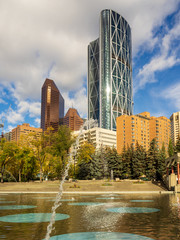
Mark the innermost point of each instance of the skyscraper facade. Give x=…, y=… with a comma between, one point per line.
x=52, y=105
x=73, y=120
x=110, y=71
x=175, y=127
x=24, y=130
x=142, y=129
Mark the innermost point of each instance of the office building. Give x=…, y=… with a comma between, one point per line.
x=24, y=130
x=175, y=127
x=160, y=128
x=110, y=71
x=52, y=105
x=142, y=128
x=73, y=120
x=8, y=136
x=99, y=137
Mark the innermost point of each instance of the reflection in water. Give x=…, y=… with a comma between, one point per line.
x=99, y=236
x=86, y=204
x=9, y=207
x=161, y=225
x=132, y=210
x=32, y=217
x=144, y=200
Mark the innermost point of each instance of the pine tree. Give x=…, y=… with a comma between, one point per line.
x=127, y=162
x=161, y=167
x=152, y=160
x=114, y=162
x=177, y=148
x=138, y=161
x=170, y=148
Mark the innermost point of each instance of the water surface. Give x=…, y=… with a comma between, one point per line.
x=89, y=219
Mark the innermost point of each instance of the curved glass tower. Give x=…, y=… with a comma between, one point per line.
x=110, y=71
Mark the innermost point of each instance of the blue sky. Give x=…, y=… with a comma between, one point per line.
x=49, y=38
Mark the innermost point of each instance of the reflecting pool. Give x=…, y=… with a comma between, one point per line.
x=131, y=216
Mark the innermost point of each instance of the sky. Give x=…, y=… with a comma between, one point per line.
x=49, y=38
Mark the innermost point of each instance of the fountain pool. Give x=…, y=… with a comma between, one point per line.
x=90, y=217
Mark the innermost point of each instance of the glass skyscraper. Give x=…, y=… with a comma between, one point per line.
x=52, y=105
x=110, y=71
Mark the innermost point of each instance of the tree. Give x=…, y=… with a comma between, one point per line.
x=102, y=154
x=114, y=162
x=127, y=156
x=138, y=161
x=161, y=166
x=39, y=148
x=177, y=148
x=8, y=151
x=22, y=156
x=60, y=143
x=84, y=156
x=170, y=148
x=152, y=160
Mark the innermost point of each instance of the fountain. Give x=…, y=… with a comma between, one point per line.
x=11, y=175
x=87, y=125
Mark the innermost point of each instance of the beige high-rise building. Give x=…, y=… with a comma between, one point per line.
x=142, y=128
x=175, y=127
x=24, y=129
x=160, y=128
x=99, y=137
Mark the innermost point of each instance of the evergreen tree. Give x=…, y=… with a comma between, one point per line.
x=152, y=160
x=103, y=154
x=161, y=167
x=177, y=148
x=114, y=162
x=138, y=161
x=170, y=148
x=95, y=167
x=127, y=162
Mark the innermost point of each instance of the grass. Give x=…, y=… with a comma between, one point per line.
x=138, y=182
x=75, y=186
x=106, y=184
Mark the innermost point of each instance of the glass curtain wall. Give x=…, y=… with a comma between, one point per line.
x=93, y=80
x=110, y=71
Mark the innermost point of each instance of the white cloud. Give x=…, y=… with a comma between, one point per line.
x=166, y=58
x=78, y=101
x=2, y=101
x=14, y=117
x=37, y=122
x=24, y=108
x=10, y=127
x=172, y=93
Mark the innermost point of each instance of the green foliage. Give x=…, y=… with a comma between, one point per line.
x=138, y=162
x=8, y=152
x=107, y=184
x=170, y=148
x=61, y=141
x=85, y=161
x=152, y=160
x=127, y=156
x=114, y=162
x=46, y=154
x=177, y=148
x=161, y=166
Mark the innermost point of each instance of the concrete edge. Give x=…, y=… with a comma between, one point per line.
x=101, y=192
